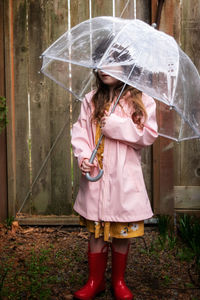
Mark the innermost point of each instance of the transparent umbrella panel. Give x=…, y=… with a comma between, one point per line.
x=138, y=55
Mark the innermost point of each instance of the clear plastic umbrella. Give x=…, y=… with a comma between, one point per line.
x=137, y=54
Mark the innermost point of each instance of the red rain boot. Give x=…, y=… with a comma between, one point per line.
x=97, y=263
x=121, y=291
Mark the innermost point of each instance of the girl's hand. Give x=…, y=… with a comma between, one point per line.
x=104, y=119
x=86, y=166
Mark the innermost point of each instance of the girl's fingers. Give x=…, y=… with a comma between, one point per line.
x=103, y=121
x=86, y=164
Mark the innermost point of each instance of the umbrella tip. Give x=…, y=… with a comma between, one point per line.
x=154, y=25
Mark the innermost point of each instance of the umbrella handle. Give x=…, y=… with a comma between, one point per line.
x=93, y=179
x=87, y=175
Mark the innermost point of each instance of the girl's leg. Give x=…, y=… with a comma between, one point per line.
x=97, y=262
x=97, y=245
x=121, y=245
x=120, y=248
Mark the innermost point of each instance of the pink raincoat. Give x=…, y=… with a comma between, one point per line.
x=120, y=195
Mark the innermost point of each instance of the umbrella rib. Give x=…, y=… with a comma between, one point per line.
x=67, y=61
x=177, y=139
x=186, y=121
x=88, y=83
x=63, y=86
x=115, y=38
x=125, y=6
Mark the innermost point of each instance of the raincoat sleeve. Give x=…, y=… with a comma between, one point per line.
x=126, y=131
x=80, y=139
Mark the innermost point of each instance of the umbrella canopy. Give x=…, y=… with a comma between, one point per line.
x=137, y=54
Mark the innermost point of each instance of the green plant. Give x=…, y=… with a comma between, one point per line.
x=164, y=223
x=166, y=280
x=5, y=268
x=172, y=240
x=3, y=113
x=166, y=232
x=8, y=222
x=185, y=254
x=189, y=232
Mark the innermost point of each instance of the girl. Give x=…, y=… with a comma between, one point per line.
x=114, y=207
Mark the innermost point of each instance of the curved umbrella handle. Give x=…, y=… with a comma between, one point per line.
x=93, y=179
x=87, y=175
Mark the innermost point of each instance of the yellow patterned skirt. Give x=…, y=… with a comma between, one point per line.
x=111, y=230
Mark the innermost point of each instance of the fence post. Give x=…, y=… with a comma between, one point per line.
x=163, y=149
x=10, y=99
x=3, y=159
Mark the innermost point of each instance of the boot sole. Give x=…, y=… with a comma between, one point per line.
x=113, y=294
x=97, y=294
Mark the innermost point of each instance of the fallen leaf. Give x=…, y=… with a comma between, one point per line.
x=15, y=227
x=28, y=230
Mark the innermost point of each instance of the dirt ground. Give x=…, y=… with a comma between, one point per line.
x=51, y=263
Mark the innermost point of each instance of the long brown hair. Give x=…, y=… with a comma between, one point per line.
x=101, y=100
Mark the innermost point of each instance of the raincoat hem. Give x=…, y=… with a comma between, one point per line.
x=114, y=218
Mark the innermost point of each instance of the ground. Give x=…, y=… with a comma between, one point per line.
x=51, y=263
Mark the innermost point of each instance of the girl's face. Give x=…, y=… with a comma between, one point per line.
x=107, y=79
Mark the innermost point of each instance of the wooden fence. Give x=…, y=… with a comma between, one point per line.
x=43, y=177
x=177, y=165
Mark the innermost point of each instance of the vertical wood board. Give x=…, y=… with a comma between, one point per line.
x=163, y=149
x=79, y=14
x=102, y=8
x=3, y=156
x=143, y=10
x=124, y=9
x=21, y=100
x=190, y=31
x=10, y=96
x=61, y=182
x=38, y=40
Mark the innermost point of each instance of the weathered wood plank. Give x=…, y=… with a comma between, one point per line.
x=171, y=18
x=59, y=99
x=143, y=10
x=38, y=37
x=3, y=177
x=154, y=6
x=10, y=96
x=125, y=9
x=102, y=8
x=187, y=197
x=49, y=220
x=163, y=149
x=190, y=31
x=80, y=13
x=192, y=212
x=21, y=100
x=3, y=157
